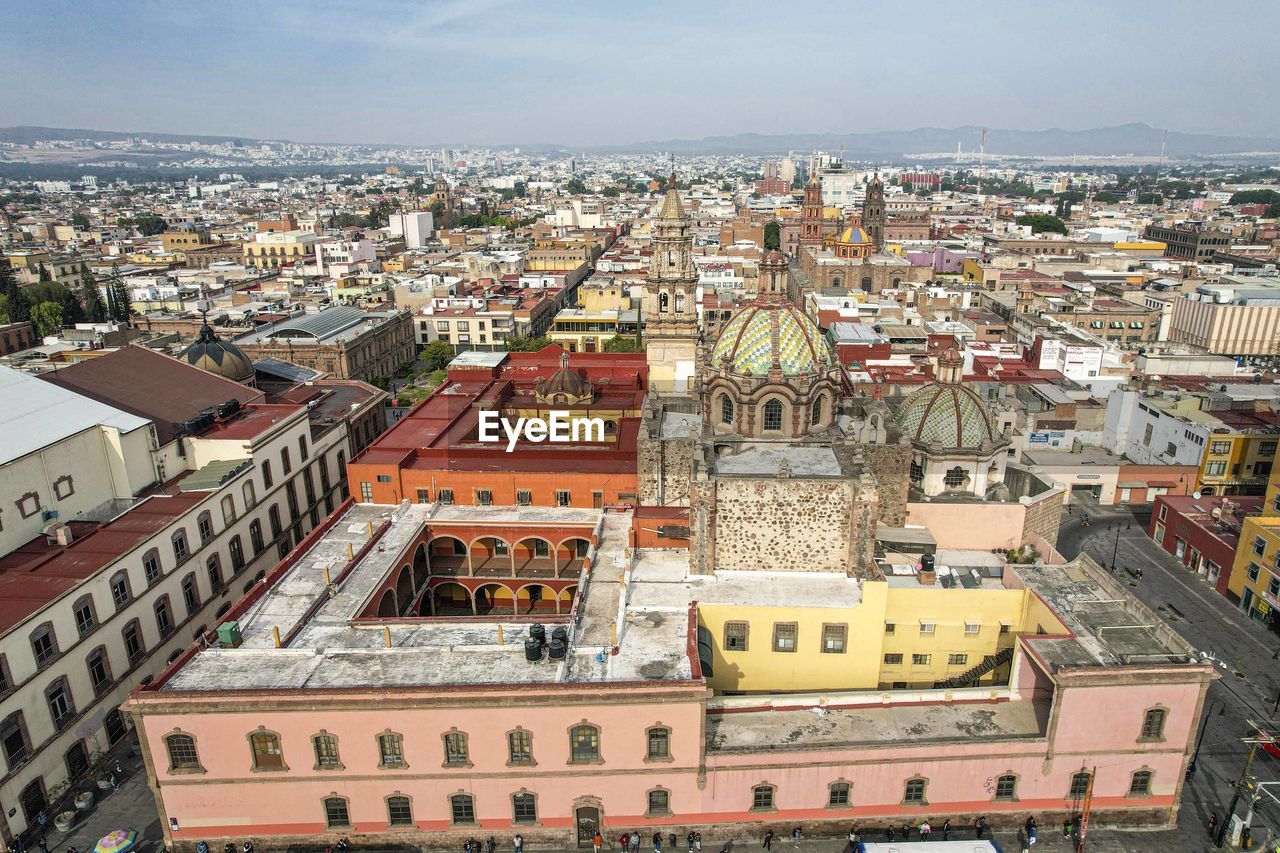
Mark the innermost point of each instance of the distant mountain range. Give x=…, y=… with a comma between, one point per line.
x=1140, y=140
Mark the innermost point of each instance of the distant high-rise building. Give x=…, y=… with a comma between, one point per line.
x=787, y=169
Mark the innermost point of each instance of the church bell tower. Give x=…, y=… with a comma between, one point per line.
x=670, y=314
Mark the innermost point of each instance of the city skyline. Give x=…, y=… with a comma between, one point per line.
x=498, y=73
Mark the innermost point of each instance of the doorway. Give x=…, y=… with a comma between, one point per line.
x=33, y=800
x=588, y=820
x=114, y=723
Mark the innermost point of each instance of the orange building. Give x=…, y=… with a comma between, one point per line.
x=435, y=452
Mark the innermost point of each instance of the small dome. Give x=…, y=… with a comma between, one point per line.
x=948, y=414
x=221, y=358
x=565, y=381
x=750, y=344
x=854, y=235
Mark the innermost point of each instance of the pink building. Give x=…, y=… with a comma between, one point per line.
x=322, y=718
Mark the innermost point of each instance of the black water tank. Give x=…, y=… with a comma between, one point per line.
x=561, y=634
x=539, y=633
x=532, y=650
x=926, y=563
x=557, y=649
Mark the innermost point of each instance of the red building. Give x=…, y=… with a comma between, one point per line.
x=435, y=452
x=1202, y=532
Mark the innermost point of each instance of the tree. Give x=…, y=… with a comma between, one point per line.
x=612, y=192
x=522, y=189
x=772, y=235
x=380, y=214
x=15, y=306
x=95, y=308
x=1042, y=222
x=44, y=273
x=517, y=343
x=47, y=317
x=1104, y=197
x=118, y=298
x=79, y=220
x=60, y=295
x=149, y=225
x=620, y=344
x=437, y=355
x=575, y=186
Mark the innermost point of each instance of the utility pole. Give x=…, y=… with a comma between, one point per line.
x=1242, y=784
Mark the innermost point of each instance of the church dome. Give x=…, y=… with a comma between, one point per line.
x=948, y=414
x=221, y=358
x=854, y=235
x=761, y=334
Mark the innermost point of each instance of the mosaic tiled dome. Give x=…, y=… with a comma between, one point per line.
x=748, y=341
x=949, y=415
x=854, y=235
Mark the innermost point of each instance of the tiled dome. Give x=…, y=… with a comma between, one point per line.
x=949, y=415
x=748, y=341
x=219, y=357
x=854, y=235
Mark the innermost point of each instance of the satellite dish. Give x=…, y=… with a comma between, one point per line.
x=1196, y=495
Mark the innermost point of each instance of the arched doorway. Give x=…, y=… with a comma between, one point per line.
x=404, y=589
x=490, y=557
x=536, y=598
x=494, y=599
x=448, y=556
x=533, y=558
x=387, y=604
x=420, y=566
x=570, y=554
x=450, y=599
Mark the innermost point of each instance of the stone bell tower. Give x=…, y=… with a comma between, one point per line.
x=670, y=314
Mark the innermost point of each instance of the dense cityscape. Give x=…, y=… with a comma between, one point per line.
x=842, y=494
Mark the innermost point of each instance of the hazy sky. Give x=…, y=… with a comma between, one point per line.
x=582, y=73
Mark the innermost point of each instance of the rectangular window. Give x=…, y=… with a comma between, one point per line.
x=390, y=750
x=1215, y=469
x=659, y=743
x=267, y=479
x=285, y=464
x=971, y=629
x=302, y=447
x=784, y=636
x=838, y=794
x=1219, y=448
x=445, y=496
x=1140, y=784
x=326, y=747
x=462, y=808
x=927, y=629
x=562, y=497
x=520, y=747
x=399, y=812
x=335, y=812
x=190, y=595
x=735, y=636
x=524, y=497
x=833, y=639
x=120, y=593
x=424, y=496
x=892, y=659
x=484, y=497
x=455, y=748
x=151, y=564
x=1260, y=547
x=957, y=660
x=524, y=808
x=920, y=659
x=1253, y=571
x=762, y=797
x=44, y=646
x=890, y=627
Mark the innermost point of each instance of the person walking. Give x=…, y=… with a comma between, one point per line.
x=657, y=842
x=979, y=826
x=946, y=830
x=853, y=838
x=906, y=832
x=635, y=842
x=624, y=843
x=689, y=839
x=768, y=840
x=490, y=845
x=891, y=833
x=795, y=837
x=925, y=830
x=597, y=841
x=697, y=842
x=517, y=843
x=1030, y=827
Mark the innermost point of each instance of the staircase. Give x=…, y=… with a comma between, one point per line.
x=971, y=677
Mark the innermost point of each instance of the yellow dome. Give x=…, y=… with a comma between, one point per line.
x=854, y=235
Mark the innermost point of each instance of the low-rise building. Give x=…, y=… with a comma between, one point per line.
x=342, y=342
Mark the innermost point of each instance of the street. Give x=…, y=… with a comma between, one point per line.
x=1246, y=652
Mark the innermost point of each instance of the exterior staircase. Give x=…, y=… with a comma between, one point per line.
x=971, y=677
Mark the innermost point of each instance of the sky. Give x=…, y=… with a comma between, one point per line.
x=495, y=72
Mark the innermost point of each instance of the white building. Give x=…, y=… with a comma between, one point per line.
x=1143, y=427
x=416, y=228
x=336, y=258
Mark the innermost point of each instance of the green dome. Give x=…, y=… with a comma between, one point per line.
x=948, y=414
x=748, y=342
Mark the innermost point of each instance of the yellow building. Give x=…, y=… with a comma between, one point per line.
x=604, y=294
x=878, y=635
x=183, y=239
x=1255, y=575
x=1237, y=463
x=276, y=249
x=578, y=330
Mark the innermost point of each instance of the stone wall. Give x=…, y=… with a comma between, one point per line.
x=783, y=524
x=664, y=467
x=1044, y=516
x=890, y=464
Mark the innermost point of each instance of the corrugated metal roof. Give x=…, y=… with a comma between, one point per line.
x=323, y=325
x=213, y=475
x=37, y=414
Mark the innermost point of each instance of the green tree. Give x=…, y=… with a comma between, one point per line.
x=44, y=273
x=95, y=308
x=79, y=220
x=575, y=186
x=612, y=192
x=60, y=295
x=16, y=307
x=1104, y=197
x=518, y=343
x=772, y=235
x=380, y=214
x=522, y=189
x=437, y=355
x=47, y=317
x=1043, y=222
x=120, y=306
x=4, y=310
x=149, y=225
x=620, y=344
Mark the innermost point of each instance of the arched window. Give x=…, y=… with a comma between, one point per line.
x=182, y=753
x=913, y=792
x=726, y=409
x=838, y=794
x=462, y=808
x=524, y=808
x=335, y=813
x=267, y=754
x=659, y=802
x=1153, y=724
x=762, y=797
x=399, y=811
x=121, y=593
x=955, y=478
x=1007, y=787
x=1079, y=785
x=584, y=743
x=773, y=415
x=659, y=738
x=866, y=283
x=326, y=749
x=815, y=412
x=1140, y=784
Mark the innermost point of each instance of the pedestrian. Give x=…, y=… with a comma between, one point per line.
x=906, y=832
x=689, y=838
x=466, y=846
x=697, y=842
x=344, y=844
x=228, y=848
x=490, y=845
x=72, y=850
x=925, y=830
x=853, y=837
x=768, y=840
x=201, y=847
x=946, y=830
x=43, y=820
x=795, y=836
x=891, y=833
x=597, y=841
x=1213, y=823
x=624, y=842
x=248, y=847
x=1030, y=826
x=657, y=842
x=979, y=826
x=635, y=842
x=518, y=843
